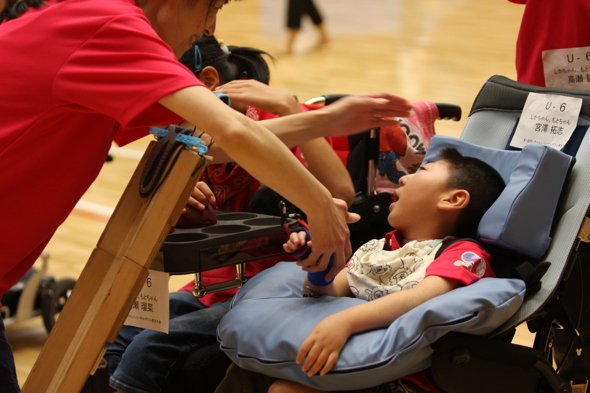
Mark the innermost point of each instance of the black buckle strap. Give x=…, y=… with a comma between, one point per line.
x=579, y=380
x=161, y=159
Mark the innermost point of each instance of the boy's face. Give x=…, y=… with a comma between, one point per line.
x=418, y=195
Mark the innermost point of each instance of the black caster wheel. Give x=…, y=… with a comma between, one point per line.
x=53, y=300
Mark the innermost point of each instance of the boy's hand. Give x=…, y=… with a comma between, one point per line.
x=295, y=242
x=323, y=345
x=201, y=196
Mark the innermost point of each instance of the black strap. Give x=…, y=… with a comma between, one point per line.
x=557, y=310
x=161, y=159
x=447, y=242
x=523, y=269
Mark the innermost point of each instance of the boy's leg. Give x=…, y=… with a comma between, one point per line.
x=238, y=380
x=8, y=379
x=152, y=358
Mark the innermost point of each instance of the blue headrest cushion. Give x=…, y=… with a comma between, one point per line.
x=269, y=320
x=521, y=218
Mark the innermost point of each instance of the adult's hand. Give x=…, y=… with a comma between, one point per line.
x=360, y=112
x=261, y=96
x=330, y=237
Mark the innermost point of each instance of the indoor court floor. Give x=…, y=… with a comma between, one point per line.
x=438, y=50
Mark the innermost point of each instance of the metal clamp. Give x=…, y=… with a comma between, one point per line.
x=192, y=142
x=201, y=290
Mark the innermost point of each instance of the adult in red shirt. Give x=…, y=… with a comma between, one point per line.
x=79, y=74
x=549, y=25
x=546, y=25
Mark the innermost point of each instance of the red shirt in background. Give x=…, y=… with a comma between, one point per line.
x=549, y=24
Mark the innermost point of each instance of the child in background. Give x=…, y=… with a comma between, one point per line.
x=243, y=74
x=146, y=360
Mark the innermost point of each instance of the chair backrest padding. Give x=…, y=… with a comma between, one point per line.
x=521, y=218
x=269, y=320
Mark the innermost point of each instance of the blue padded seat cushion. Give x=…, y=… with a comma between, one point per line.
x=269, y=320
x=521, y=218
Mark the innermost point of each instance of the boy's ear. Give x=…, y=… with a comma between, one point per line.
x=455, y=199
x=210, y=77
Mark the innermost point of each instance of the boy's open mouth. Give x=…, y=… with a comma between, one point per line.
x=394, y=196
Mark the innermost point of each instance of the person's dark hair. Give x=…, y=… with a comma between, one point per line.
x=483, y=183
x=231, y=62
x=15, y=9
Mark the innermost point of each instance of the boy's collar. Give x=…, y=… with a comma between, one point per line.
x=394, y=239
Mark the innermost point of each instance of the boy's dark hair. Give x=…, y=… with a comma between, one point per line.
x=237, y=63
x=483, y=183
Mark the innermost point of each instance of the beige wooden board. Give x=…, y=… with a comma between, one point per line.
x=112, y=278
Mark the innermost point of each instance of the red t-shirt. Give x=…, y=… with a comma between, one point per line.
x=464, y=261
x=549, y=24
x=232, y=185
x=76, y=75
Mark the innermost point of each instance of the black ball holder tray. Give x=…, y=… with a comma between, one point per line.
x=236, y=238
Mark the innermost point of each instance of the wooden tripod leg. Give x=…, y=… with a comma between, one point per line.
x=112, y=279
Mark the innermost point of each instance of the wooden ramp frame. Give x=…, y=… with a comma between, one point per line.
x=112, y=278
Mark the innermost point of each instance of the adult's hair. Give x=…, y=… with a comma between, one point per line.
x=231, y=62
x=483, y=183
x=15, y=8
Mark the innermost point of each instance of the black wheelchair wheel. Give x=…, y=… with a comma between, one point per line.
x=53, y=300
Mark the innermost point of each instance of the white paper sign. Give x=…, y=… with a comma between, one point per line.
x=567, y=68
x=151, y=309
x=547, y=119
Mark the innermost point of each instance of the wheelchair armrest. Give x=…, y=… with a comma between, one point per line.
x=448, y=111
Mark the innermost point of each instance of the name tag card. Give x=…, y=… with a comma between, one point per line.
x=151, y=309
x=567, y=68
x=547, y=119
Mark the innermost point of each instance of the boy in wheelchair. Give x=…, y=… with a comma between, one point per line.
x=436, y=208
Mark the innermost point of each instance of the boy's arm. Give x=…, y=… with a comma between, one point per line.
x=338, y=288
x=323, y=345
